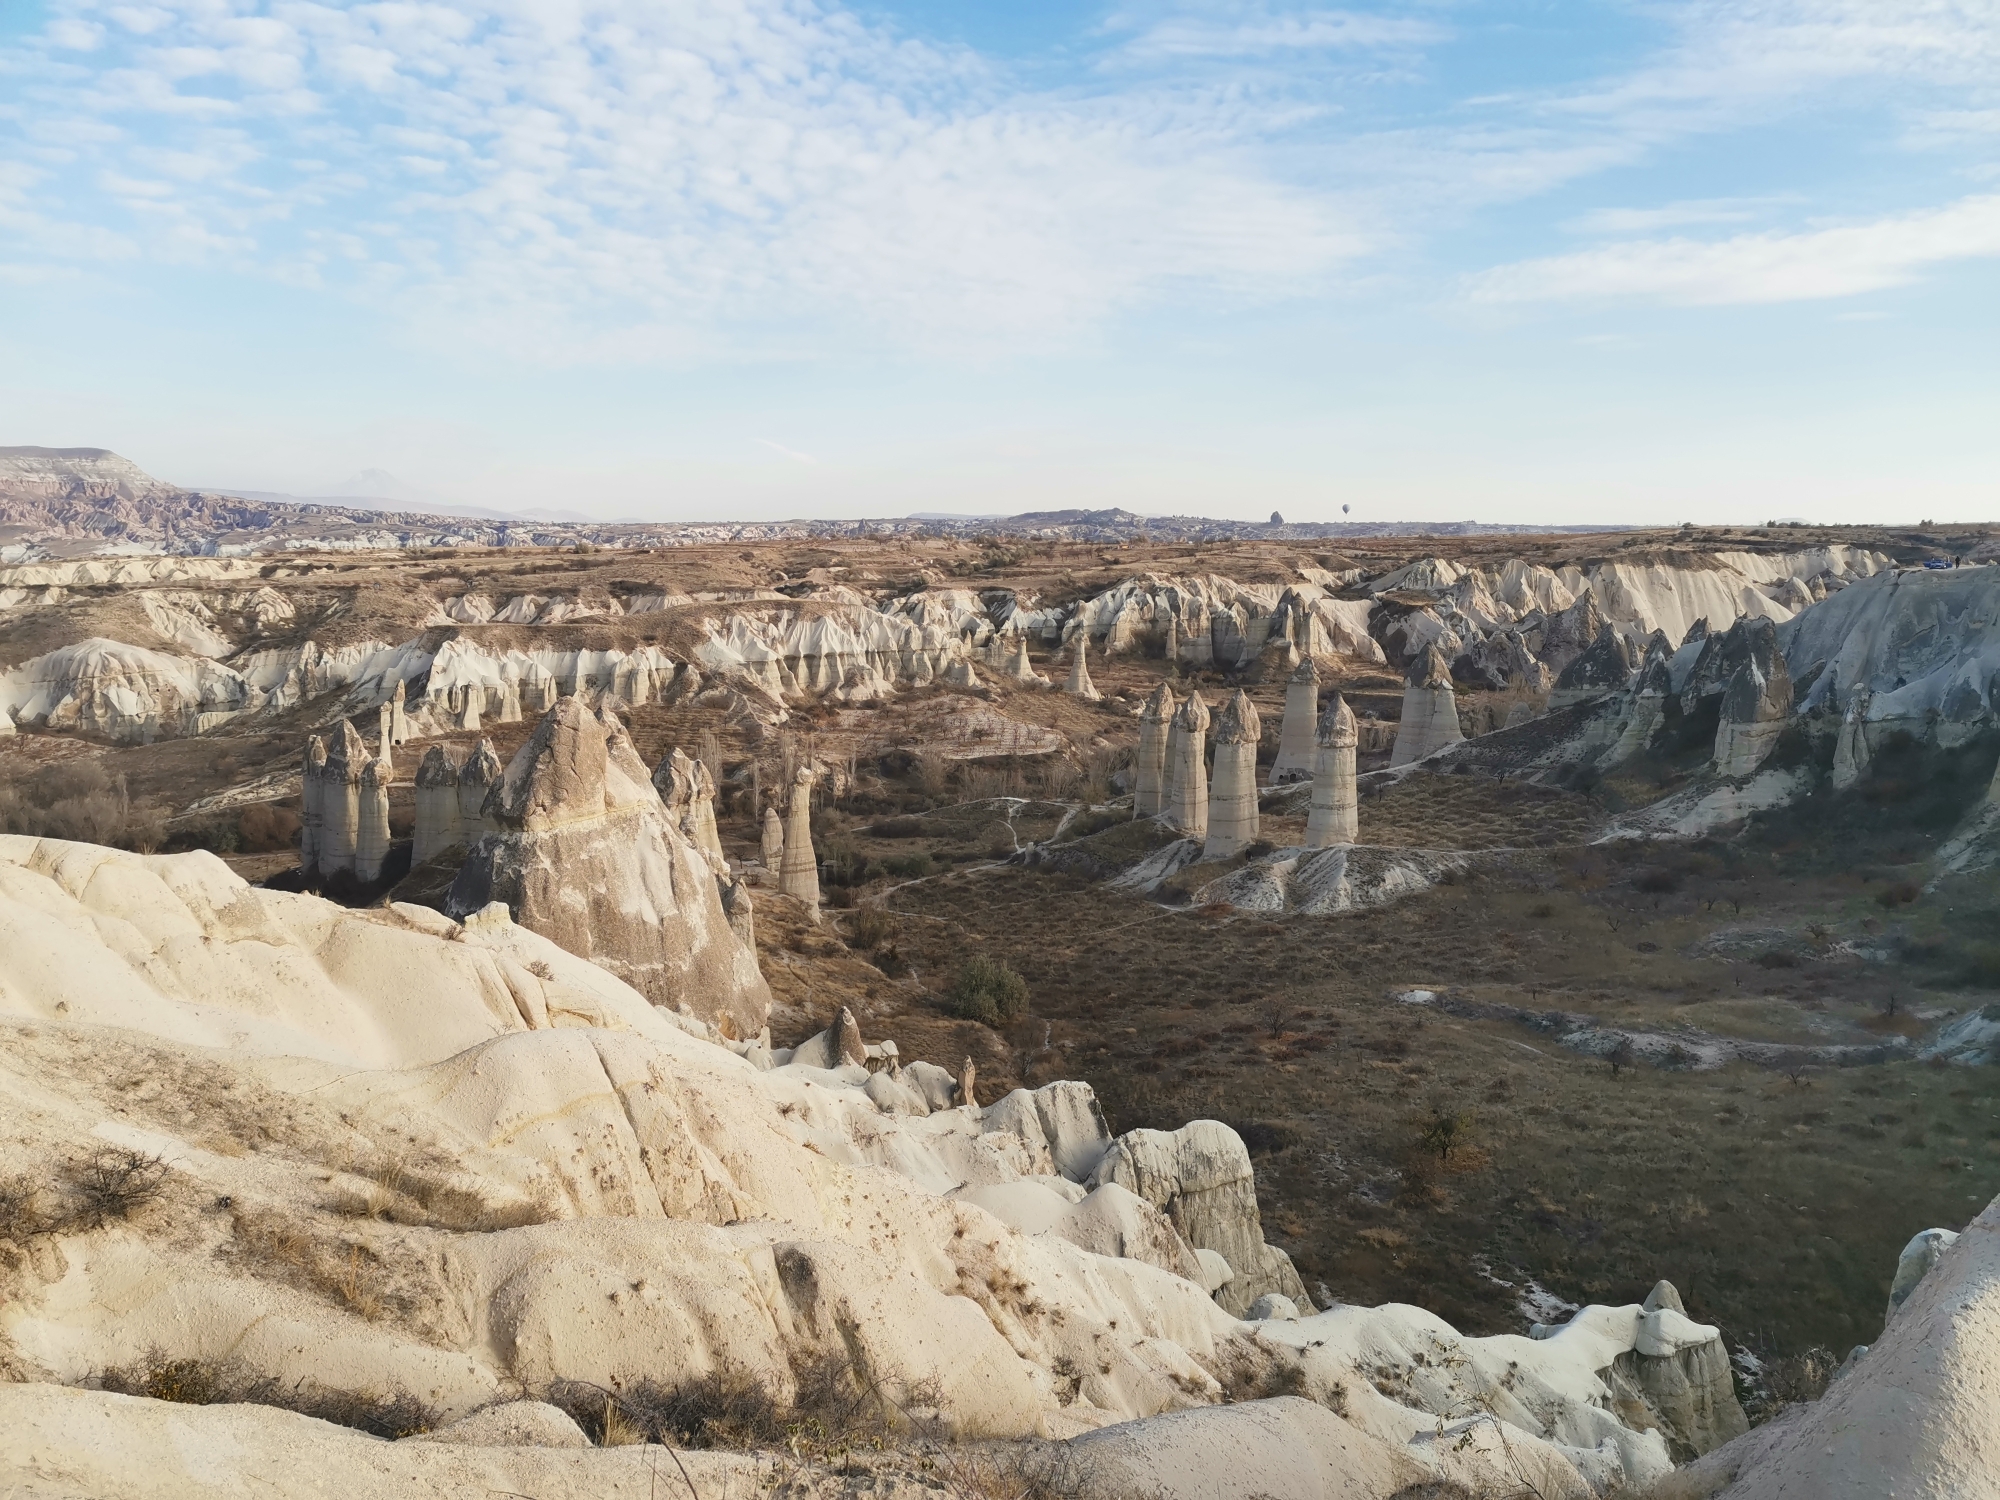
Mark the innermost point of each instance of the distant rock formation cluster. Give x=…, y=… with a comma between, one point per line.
x=344, y=810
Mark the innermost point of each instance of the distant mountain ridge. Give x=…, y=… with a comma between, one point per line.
x=68, y=502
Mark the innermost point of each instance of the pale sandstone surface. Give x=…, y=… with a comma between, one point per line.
x=562, y=1180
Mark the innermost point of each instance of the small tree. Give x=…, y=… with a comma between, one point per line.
x=1447, y=1130
x=1622, y=1057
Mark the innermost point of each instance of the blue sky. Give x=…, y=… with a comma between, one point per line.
x=700, y=258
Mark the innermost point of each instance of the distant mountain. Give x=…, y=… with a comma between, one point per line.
x=380, y=484
x=67, y=502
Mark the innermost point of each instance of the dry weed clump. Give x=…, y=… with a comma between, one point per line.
x=836, y=1410
x=109, y=1185
x=201, y=1382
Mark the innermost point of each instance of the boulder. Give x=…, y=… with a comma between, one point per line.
x=586, y=855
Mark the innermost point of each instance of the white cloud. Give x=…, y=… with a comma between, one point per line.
x=1681, y=215
x=1833, y=261
x=1243, y=35
x=673, y=164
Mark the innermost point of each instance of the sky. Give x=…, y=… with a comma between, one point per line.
x=1539, y=262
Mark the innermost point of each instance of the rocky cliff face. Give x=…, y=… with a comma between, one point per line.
x=587, y=855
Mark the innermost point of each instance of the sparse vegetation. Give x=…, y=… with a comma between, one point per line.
x=201, y=1382
x=988, y=991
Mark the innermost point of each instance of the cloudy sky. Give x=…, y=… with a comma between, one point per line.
x=1650, y=261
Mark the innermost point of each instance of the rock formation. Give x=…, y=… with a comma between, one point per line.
x=1149, y=766
x=1232, y=798
x=1079, y=684
x=1018, y=669
x=1605, y=667
x=371, y=834
x=1755, y=708
x=1187, y=768
x=345, y=810
x=312, y=811
x=688, y=790
x=399, y=719
x=772, y=843
x=1333, y=818
x=1200, y=1176
x=1430, y=711
x=477, y=778
x=385, y=741
x=437, y=827
x=549, y=1145
x=1850, y=746
x=586, y=854
x=1680, y=1371
x=1646, y=709
x=798, y=872
x=1295, y=735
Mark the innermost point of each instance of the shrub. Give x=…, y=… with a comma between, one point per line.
x=112, y=1184
x=1982, y=967
x=1445, y=1131
x=80, y=801
x=872, y=927
x=908, y=866
x=987, y=991
x=898, y=828
x=1901, y=893
x=1658, y=882
x=200, y=1382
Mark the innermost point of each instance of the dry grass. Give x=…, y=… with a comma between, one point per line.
x=201, y=1382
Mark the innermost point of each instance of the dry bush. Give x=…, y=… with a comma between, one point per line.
x=1017, y=1471
x=200, y=1382
x=80, y=801
x=262, y=828
x=872, y=927
x=835, y=1410
x=113, y=1184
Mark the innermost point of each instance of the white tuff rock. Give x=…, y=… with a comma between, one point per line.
x=1232, y=798
x=1295, y=735
x=1333, y=818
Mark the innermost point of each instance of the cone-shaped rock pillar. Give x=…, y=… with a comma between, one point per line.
x=1333, y=819
x=1430, y=711
x=371, y=834
x=1187, y=768
x=385, y=740
x=476, y=779
x=399, y=718
x=1232, y=798
x=1295, y=735
x=1079, y=684
x=1149, y=770
x=773, y=844
x=799, y=873
x=438, y=827
x=1755, y=708
x=312, y=817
